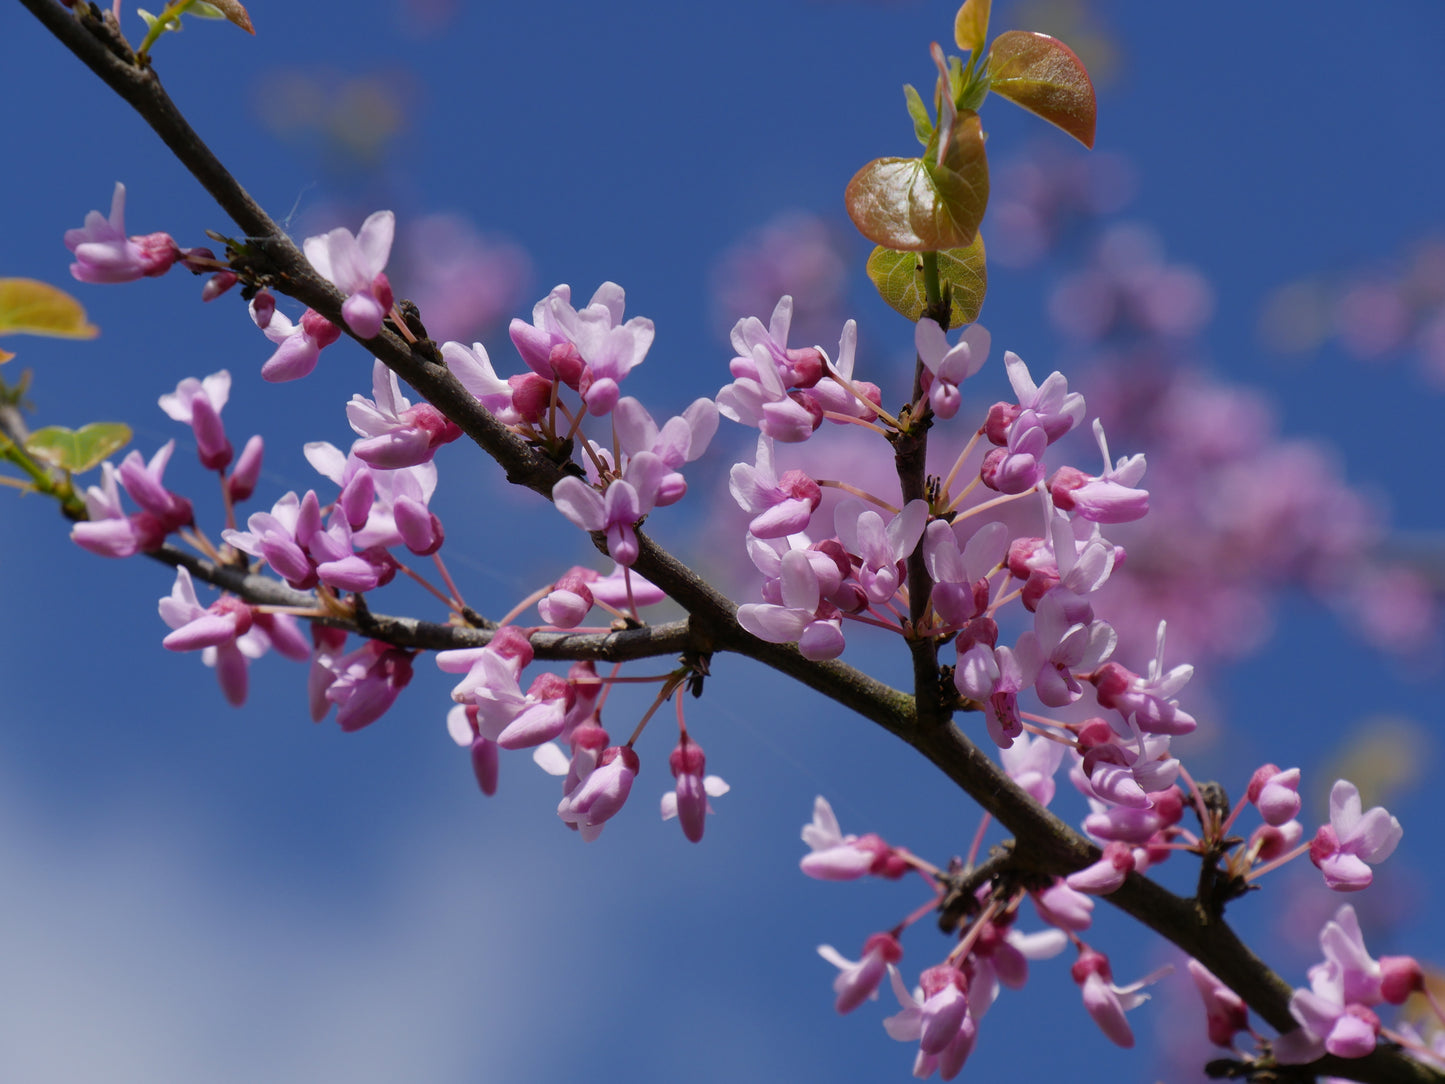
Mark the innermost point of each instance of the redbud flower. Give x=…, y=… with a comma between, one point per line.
x=1150, y=699
x=879, y=547
x=569, y=600
x=1344, y=849
x=1105, y=1002
x=1063, y=907
x=109, y=532
x=959, y=572
x=689, y=801
x=224, y=632
x=1105, y=875
x=354, y=265
x=198, y=404
x=803, y=617
x=367, y=683
x=602, y=794
x=1031, y=762
x=395, y=433
x=144, y=482
x=1058, y=646
x=937, y=1016
x=992, y=675
x=104, y=254
x=615, y=511
x=473, y=367
x=680, y=440
x=1223, y=1008
x=857, y=982
x=241, y=482
x=298, y=346
x=832, y=856
x=947, y=367
x=1110, y=497
x=1057, y=410
x=486, y=761
x=1275, y=793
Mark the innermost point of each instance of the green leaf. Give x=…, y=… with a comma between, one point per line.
x=899, y=279
x=970, y=25
x=922, y=122
x=1043, y=75
x=37, y=308
x=919, y=205
x=77, y=450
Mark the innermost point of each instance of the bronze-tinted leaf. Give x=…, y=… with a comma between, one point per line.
x=924, y=205
x=77, y=450
x=970, y=25
x=899, y=279
x=1043, y=75
x=234, y=12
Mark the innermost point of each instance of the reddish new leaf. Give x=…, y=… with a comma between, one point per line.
x=234, y=12
x=918, y=205
x=1043, y=75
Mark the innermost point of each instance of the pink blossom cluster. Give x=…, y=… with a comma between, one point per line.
x=944, y=1012
x=998, y=567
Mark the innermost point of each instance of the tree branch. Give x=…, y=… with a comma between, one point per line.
x=1044, y=843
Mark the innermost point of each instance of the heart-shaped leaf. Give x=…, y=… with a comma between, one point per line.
x=37, y=308
x=1043, y=75
x=899, y=279
x=77, y=450
x=924, y=205
x=970, y=25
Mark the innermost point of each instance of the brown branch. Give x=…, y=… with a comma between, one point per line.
x=1044, y=843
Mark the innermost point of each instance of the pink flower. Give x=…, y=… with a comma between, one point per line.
x=602, y=794
x=1275, y=793
x=104, y=254
x=485, y=756
x=857, y=982
x=688, y=802
x=1344, y=849
x=228, y=633
x=1104, y=1001
x=880, y=547
x=937, y=1016
x=1108, y=498
x=947, y=367
x=298, y=346
x=355, y=266
x=836, y=857
x=367, y=683
x=1223, y=1008
x=803, y=617
x=394, y=433
x=198, y=403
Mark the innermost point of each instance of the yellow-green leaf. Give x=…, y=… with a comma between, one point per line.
x=37, y=308
x=1043, y=75
x=77, y=450
x=899, y=279
x=970, y=25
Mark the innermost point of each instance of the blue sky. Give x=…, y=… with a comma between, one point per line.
x=197, y=892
